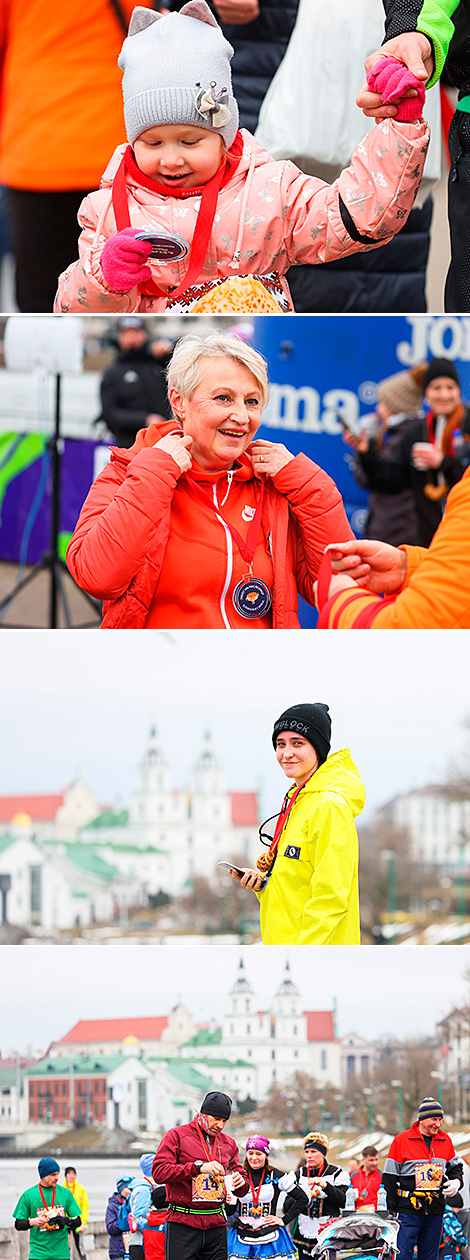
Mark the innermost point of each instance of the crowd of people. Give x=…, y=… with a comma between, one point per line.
x=194, y=1198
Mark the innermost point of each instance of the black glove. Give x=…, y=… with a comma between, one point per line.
x=58, y=1221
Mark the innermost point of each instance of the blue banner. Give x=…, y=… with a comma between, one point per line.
x=322, y=368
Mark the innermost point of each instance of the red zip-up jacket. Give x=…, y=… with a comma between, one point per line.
x=119, y=546
x=409, y=1149
x=174, y=1166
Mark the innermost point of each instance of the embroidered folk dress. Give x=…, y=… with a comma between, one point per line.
x=249, y=1237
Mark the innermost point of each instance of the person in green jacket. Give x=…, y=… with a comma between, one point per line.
x=47, y=1210
x=307, y=881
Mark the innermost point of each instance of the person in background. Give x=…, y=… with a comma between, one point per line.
x=133, y=389
x=81, y=1197
x=116, y=1218
x=425, y=37
x=259, y=32
x=366, y=1180
x=353, y=1165
x=431, y=454
x=61, y=116
x=392, y=516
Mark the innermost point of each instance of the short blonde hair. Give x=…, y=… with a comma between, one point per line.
x=317, y=1137
x=185, y=369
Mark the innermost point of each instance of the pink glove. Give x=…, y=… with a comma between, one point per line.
x=122, y=260
x=391, y=79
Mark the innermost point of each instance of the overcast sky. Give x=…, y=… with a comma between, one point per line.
x=378, y=990
x=82, y=703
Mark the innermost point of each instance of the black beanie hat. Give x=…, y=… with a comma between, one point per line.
x=310, y=720
x=216, y=1104
x=440, y=367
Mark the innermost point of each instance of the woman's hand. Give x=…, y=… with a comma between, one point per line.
x=268, y=457
x=178, y=448
x=424, y=455
x=359, y=443
x=272, y=1220
x=375, y=566
x=250, y=879
x=320, y=1181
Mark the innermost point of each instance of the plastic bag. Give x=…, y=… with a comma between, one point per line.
x=309, y=113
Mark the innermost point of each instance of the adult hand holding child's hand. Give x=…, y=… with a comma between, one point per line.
x=122, y=261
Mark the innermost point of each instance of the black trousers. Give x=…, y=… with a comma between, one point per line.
x=457, y=290
x=184, y=1242
x=44, y=240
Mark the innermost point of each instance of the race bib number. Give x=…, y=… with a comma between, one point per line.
x=428, y=1176
x=208, y=1189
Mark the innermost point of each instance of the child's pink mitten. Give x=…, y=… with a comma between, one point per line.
x=122, y=261
x=391, y=78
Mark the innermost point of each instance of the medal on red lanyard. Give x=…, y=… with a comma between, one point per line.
x=266, y=860
x=251, y=597
x=256, y=1193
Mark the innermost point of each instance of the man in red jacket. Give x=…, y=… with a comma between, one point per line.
x=192, y=1161
x=367, y=1179
x=421, y=1172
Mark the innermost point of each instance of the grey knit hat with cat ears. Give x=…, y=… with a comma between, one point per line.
x=176, y=70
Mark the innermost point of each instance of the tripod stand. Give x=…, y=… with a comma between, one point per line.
x=52, y=562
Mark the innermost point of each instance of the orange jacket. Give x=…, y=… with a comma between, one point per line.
x=62, y=111
x=138, y=508
x=436, y=591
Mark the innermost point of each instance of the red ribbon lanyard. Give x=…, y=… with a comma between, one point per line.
x=287, y=804
x=46, y=1205
x=202, y=229
x=210, y=1155
x=256, y=1193
x=248, y=548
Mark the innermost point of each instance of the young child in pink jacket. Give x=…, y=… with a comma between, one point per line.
x=216, y=204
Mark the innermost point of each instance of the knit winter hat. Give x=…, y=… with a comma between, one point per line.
x=176, y=70
x=310, y=720
x=258, y=1142
x=47, y=1166
x=400, y=392
x=440, y=367
x=217, y=1104
x=428, y=1108
x=122, y=1182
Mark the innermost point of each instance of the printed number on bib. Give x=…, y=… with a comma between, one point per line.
x=428, y=1176
x=208, y=1189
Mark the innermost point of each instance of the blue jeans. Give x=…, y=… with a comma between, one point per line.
x=421, y=1231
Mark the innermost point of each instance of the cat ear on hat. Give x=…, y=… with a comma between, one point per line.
x=200, y=10
x=141, y=18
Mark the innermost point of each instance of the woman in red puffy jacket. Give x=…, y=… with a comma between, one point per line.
x=198, y=525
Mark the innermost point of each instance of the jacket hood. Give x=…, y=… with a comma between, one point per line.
x=242, y=470
x=251, y=150
x=338, y=774
x=146, y=1162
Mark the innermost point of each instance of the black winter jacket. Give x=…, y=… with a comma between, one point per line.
x=403, y=15
x=133, y=388
x=259, y=48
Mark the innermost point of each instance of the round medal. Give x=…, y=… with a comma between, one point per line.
x=252, y=598
x=164, y=248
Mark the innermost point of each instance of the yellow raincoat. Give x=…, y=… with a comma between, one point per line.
x=81, y=1197
x=312, y=896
